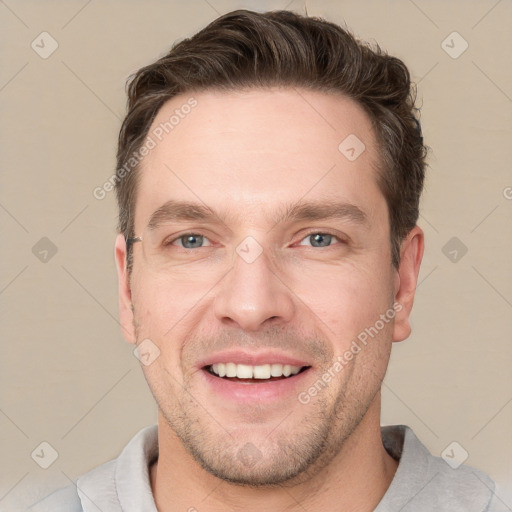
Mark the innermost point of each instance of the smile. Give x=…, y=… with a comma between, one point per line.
x=270, y=371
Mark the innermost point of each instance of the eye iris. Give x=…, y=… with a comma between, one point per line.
x=195, y=240
x=318, y=238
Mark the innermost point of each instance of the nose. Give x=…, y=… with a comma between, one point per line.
x=253, y=295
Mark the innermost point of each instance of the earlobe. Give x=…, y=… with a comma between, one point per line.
x=125, y=295
x=406, y=280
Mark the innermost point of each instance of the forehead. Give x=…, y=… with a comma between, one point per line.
x=255, y=150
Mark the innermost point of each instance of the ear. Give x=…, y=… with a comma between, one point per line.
x=406, y=279
x=125, y=294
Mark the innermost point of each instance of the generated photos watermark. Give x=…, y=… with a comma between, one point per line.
x=356, y=346
x=157, y=135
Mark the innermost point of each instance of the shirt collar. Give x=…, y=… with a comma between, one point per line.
x=124, y=484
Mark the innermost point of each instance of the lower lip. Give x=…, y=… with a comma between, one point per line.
x=258, y=391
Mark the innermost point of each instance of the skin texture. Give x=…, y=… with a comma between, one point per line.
x=246, y=154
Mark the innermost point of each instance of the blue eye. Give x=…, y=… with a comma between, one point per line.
x=190, y=240
x=196, y=241
x=320, y=239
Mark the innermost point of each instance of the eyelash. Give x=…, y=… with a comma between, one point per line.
x=339, y=238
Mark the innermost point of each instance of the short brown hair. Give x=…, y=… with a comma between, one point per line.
x=245, y=49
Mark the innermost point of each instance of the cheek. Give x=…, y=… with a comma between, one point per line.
x=345, y=298
x=162, y=304
x=166, y=311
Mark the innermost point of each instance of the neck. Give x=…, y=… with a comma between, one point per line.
x=356, y=479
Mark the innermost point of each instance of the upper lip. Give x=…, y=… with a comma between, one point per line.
x=253, y=358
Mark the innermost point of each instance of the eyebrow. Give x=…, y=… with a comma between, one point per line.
x=174, y=210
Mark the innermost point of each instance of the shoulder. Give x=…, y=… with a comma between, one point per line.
x=94, y=485
x=64, y=499
x=462, y=488
x=425, y=482
x=123, y=479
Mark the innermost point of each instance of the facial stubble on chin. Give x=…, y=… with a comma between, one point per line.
x=283, y=458
x=292, y=458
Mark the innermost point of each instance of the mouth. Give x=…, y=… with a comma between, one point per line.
x=267, y=377
x=254, y=374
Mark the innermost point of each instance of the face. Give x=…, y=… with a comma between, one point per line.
x=278, y=267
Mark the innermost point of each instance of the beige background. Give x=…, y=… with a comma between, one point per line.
x=68, y=377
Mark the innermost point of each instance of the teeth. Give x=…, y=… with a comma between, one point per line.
x=244, y=371
x=221, y=370
x=263, y=371
x=230, y=369
x=276, y=370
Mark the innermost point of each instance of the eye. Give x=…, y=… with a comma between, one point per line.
x=189, y=241
x=196, y=241
x=321, y=239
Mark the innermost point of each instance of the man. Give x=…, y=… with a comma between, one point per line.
x=269, y=175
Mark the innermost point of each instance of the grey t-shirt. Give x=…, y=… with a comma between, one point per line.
x=421, y=483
